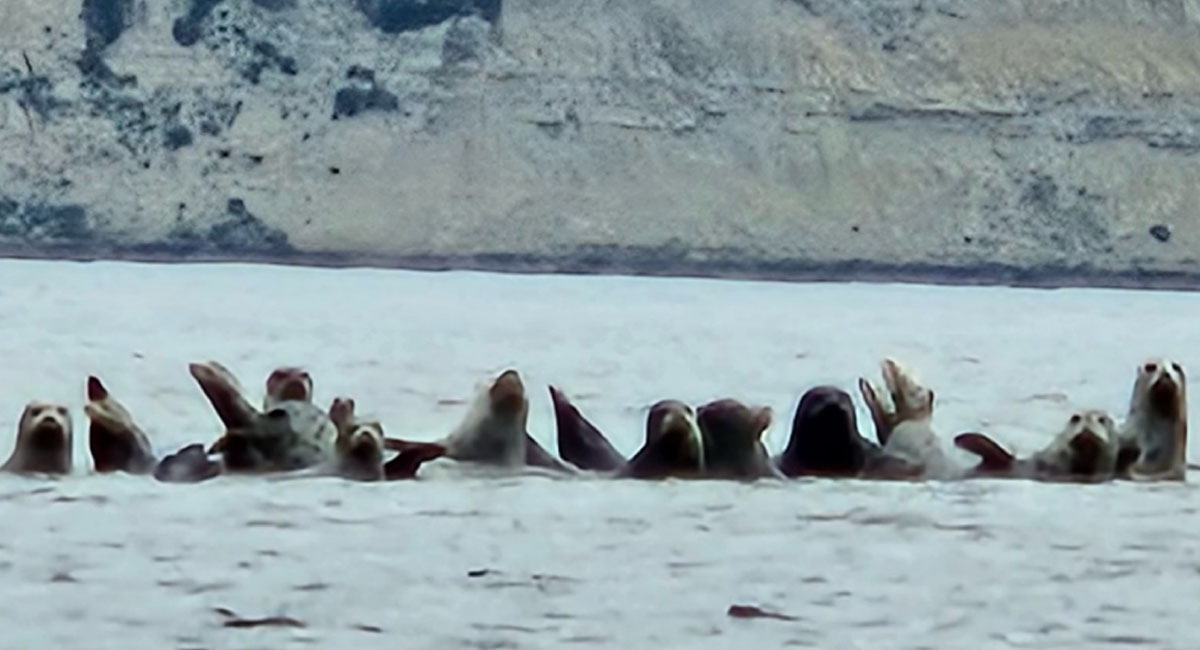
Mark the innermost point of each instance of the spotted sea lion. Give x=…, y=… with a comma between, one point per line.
x=116, y=442
x=288, y=383
x=733, y=447
x=579, y=441
x=1084, y=450
x=825, y=440
x=44, y=439
x=1154, y=434
x=904, y=427
x=290, y=434
x=674, y=446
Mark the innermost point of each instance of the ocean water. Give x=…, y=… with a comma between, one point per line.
x=467, y=561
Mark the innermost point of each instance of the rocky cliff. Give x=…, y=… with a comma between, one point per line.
x=1039, y=141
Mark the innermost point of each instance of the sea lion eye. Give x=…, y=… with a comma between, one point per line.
x=62, y=410
x=1177, y=368
x=1150, y=367
x=1076, y=419
x=1106, y=421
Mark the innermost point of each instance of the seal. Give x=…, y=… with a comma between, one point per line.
x=44, y=439
x=674, y=446
x=825, y=440
x=733, y=447
x=1085, y=450
x=493, y=432
x=579, y=441
x=905, y=429
x=116, y=442
x=1154, y=433
x=291, y=434
x=361, y=444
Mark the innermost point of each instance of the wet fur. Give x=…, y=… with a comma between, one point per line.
x=733, y=447
x=673, y=448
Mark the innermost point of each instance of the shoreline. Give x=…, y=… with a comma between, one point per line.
x=790, y=271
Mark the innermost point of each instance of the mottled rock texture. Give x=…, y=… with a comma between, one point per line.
x=1040, y=141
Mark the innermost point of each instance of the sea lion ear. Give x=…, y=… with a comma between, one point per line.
x=991, y=455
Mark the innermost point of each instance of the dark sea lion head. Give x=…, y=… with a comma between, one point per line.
x=825, y=439
x=289, y=383
x=115, y=441
x=732, y=434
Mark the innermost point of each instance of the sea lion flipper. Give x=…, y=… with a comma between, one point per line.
x=409, y=460
x=223, y=392
x=537, y=456
x=883, y=423
x=579, y=441
x=188, y=465
x=992, y=457
x=115, y=441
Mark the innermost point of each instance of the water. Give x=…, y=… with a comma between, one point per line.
x=532, y=562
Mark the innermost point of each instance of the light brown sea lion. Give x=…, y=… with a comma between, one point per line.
x=579, y=441
x=674, y=446
x=733, y=447
x=825, y=440
x=116, y=442
x=44, y=439
x=493, y=432
x=904, y=427
x=1154, y=434
x=1085, y=450
x=291, y=434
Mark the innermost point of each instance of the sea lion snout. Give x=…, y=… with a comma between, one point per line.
x=507, y=393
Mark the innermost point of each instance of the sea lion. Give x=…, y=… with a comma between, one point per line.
x=1084, y=450
x=674, y=446
x=579, y=441
x=361, y=444
x=1154, y=434
x=114, y=439
x=825, y=440
x=493, y=432
x=733, y=447
x=904, y=428
x=291, y=434
x=44, y=439
x=191, y=464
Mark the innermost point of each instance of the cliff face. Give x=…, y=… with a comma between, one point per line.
x=1030, y=139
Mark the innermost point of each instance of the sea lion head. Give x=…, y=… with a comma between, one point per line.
x=1085, y=448
x=44, y=437
x=732, y=434
x=360, y=452
x=1160, y=388
x=673, y=448
x=825, y=438
x=289, y=383
x=506, y=395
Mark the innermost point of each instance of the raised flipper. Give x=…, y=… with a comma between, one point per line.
x=579, y=442
x=114, y=440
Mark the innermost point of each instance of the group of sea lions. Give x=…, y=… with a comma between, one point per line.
x=718, y=440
